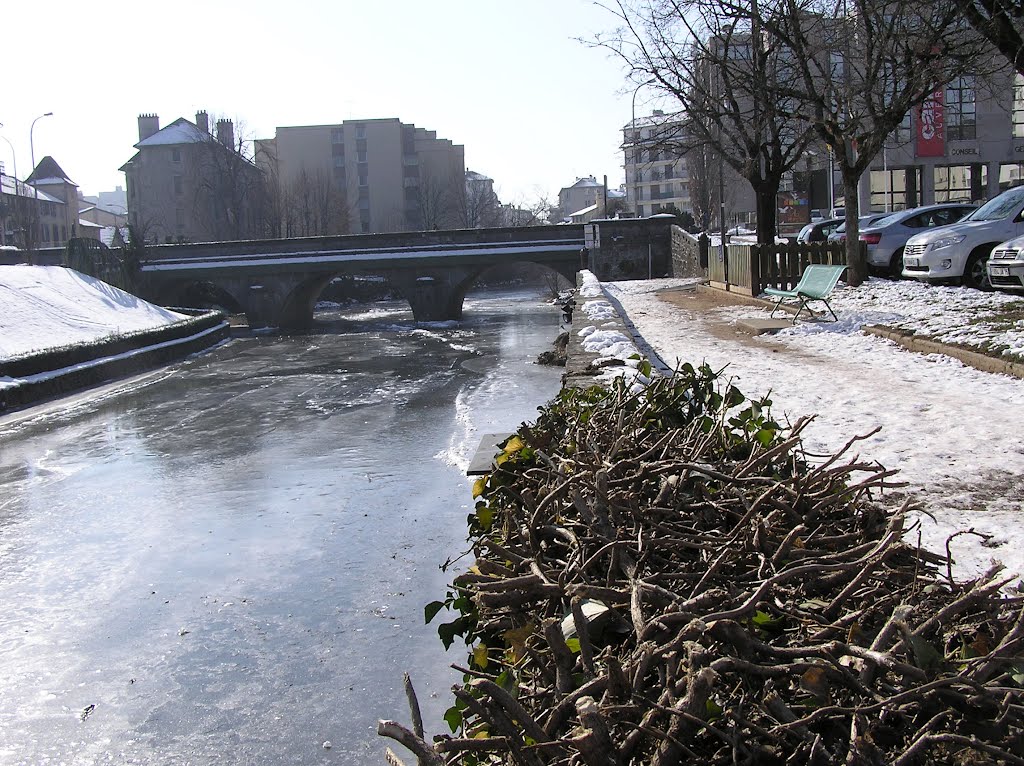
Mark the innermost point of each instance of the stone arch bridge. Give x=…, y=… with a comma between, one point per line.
x=277, y=282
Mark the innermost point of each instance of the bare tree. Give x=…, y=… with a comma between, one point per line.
x=440, y=198
x=536, y=211
x=863, y=66
x=1001, y=22
x=229, y=191
x=729, y=81
x=481, y=206
x=316, y=206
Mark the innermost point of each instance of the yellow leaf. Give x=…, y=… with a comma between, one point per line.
x=482, y=734
x=479, y=485
x=514, y=444
x=516, y=638
x=480, y=656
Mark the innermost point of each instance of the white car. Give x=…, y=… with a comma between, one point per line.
x=959, y=252
x=1006, y=265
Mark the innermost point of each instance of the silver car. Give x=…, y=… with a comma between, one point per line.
x=886, y=238
x=839, y=233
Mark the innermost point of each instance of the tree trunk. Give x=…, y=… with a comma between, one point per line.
x=857, y=267
x=767, y=199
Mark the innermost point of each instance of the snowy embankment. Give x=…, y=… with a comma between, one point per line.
x=61, y=330
x=954, y=433
x=46, y=307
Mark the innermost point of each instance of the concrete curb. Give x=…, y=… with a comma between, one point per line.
x=970, y=358
x=909, y=341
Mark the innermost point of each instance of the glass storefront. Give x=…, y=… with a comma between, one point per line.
x=960, y=183
x=895, y=188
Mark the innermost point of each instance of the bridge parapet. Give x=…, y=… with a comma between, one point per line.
x=277, y=282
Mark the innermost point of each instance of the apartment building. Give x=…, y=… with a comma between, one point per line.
x=658, y=175
x=42, y=211
x=362, y=176
x=185, y=184
x=966, y=143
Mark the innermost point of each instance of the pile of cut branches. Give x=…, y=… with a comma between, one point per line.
x=666, y=577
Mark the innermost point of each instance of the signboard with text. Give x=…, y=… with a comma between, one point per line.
x=930, y=136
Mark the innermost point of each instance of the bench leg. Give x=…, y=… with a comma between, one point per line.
x=830, y=311
x=803, y=305
x=777, y=305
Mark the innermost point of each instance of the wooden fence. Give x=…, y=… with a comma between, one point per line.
x=749, y=269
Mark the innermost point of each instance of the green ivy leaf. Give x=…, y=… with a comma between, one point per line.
x=453, y=717
x=573, y=644
x=430, y=611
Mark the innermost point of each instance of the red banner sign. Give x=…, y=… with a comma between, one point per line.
x=931, y=135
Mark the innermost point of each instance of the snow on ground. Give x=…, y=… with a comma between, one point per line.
x=956, y=434
x=44, y=307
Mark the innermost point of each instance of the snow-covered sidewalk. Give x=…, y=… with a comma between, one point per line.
x=956, y=434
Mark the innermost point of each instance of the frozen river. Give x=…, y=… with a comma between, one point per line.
x=226, y=561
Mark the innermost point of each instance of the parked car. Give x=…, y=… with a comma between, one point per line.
x=959, y=252
x=818, y=231
x=1006, y=265
x=886, y=238
x=839, y=234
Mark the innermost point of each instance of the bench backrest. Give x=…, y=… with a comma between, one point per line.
x=819, y=280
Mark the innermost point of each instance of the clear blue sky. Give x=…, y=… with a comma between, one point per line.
x=534, y=108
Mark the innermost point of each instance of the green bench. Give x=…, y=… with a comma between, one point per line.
x=816, y=284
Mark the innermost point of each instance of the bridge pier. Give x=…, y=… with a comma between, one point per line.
x=434, y=297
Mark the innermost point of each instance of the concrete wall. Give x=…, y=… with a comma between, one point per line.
x=630, y=248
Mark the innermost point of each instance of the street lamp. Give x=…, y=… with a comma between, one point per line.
x=32, y=156
x=635, y=139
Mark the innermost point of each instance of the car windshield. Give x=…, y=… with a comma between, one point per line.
x=999, y=207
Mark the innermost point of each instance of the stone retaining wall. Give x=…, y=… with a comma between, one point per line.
x=80, y=367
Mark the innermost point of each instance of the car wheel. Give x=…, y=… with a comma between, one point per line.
x=896, y=265
x=976, y=270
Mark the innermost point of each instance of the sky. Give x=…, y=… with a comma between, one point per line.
x=534, y=107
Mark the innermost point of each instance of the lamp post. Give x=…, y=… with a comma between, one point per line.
x=35, y=191
x=635, y=139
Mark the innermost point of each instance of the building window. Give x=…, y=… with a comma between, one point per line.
x=361, y=156
x=959, y=110
x=1018, y=106
x=175, y=155
x=1010, y=174
x=63, y=233
x=360, y=131
x=960, y=183
x=363, y=177
x=339, y=162
x=337, y=136
x=178, y=188
x=337, y=150
x=179, y=218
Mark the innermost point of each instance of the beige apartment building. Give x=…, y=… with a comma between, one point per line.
x=657, y=176
x=187, y=185
x=362, y=176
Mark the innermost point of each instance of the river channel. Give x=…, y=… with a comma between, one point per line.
x=226, y=561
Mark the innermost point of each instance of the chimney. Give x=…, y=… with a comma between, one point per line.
x=203, y=121
x=226, y=133
x=148, y=125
